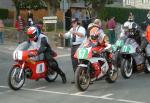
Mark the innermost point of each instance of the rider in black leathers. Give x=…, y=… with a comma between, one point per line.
x=41, y=41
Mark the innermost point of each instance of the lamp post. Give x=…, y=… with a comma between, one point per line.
x=64, y=5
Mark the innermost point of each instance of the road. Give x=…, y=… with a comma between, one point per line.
x=134, y=90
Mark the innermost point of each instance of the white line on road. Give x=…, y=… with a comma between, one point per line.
x=40, y=88
x=5, y=92
x=64, y=55
x=107, y=95
x=104, y=97
x=122, y=100
x=78, y=93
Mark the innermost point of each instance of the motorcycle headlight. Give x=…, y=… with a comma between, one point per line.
x=17, y=55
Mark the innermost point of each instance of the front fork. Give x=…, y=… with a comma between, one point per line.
x=22, y=67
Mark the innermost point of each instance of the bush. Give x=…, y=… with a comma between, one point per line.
x=3, y=13
x=121, y=14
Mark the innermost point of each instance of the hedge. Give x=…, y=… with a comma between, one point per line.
x=3, y=13
x=121, y=14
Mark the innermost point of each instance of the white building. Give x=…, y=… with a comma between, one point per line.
x=137, y=3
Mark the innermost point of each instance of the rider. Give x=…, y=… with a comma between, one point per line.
x=96, y=35
x=40, y=42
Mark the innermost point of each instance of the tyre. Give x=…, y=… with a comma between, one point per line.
x=147, y=67
x=14, y=82
x=112, y=74
x=82, y=78
x=116, y=59
x=126, y=68
x=51, y=76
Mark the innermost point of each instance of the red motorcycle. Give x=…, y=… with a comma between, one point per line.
x=94, y=63
x=33, y=68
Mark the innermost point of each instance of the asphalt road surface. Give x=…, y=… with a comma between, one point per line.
x=134, y=90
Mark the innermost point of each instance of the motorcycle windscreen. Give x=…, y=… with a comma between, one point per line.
x=84, y=53
x=130, y=46
x=23, y=46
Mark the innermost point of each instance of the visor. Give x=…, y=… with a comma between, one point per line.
x=31, y=35
x=93, y=37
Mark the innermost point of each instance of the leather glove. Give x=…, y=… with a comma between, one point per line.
x=139, y=50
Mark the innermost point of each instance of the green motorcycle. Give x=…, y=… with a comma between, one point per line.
x=132, y=61
x=116, y=52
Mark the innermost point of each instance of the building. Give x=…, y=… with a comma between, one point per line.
x=145, y=4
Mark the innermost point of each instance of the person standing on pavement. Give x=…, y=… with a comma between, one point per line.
x=1, y=32
x=30, y=18
x=20, y=26
x=77, y=34
x=111, y=24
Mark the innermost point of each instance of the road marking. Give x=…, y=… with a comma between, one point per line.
x=64, y=55
x=78, y=93
x=40, y=88
x=122, y=100
x=8, y=91
x=104, y=97
x=107, y=96
x=4, y=87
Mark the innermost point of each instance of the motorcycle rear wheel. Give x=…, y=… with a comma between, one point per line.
x=82, y=78
x=126, y=68
x=14, y=82
x=51, y=76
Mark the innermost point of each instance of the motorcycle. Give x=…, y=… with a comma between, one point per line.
x=33, y=68
x=94, y=63
x=116, y=57
x=132, y=61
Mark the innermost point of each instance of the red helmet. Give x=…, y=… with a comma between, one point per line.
x=32, y=33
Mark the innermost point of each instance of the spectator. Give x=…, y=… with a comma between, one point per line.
x=1, y=32
x=77, y=14
x=68, y=17
x=85, y=21
x=146, y=22
x=30, y=18
x=20, y=26
x=77, y=35
x=111, y=24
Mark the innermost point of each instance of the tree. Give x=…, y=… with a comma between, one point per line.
x=97, y=5
x=53, y=5
x=28, y=4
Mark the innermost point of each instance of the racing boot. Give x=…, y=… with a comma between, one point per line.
x=140, y=68
x=63, y=77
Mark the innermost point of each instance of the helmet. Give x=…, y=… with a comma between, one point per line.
x=132, y=28
x=126, y=26
x=94, y=34
x=33, y=33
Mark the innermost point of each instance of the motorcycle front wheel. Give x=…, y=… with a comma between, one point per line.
x=112, y=74
x=147, y=67
x=82, y=78
x=14, y=82
x=126, y=68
